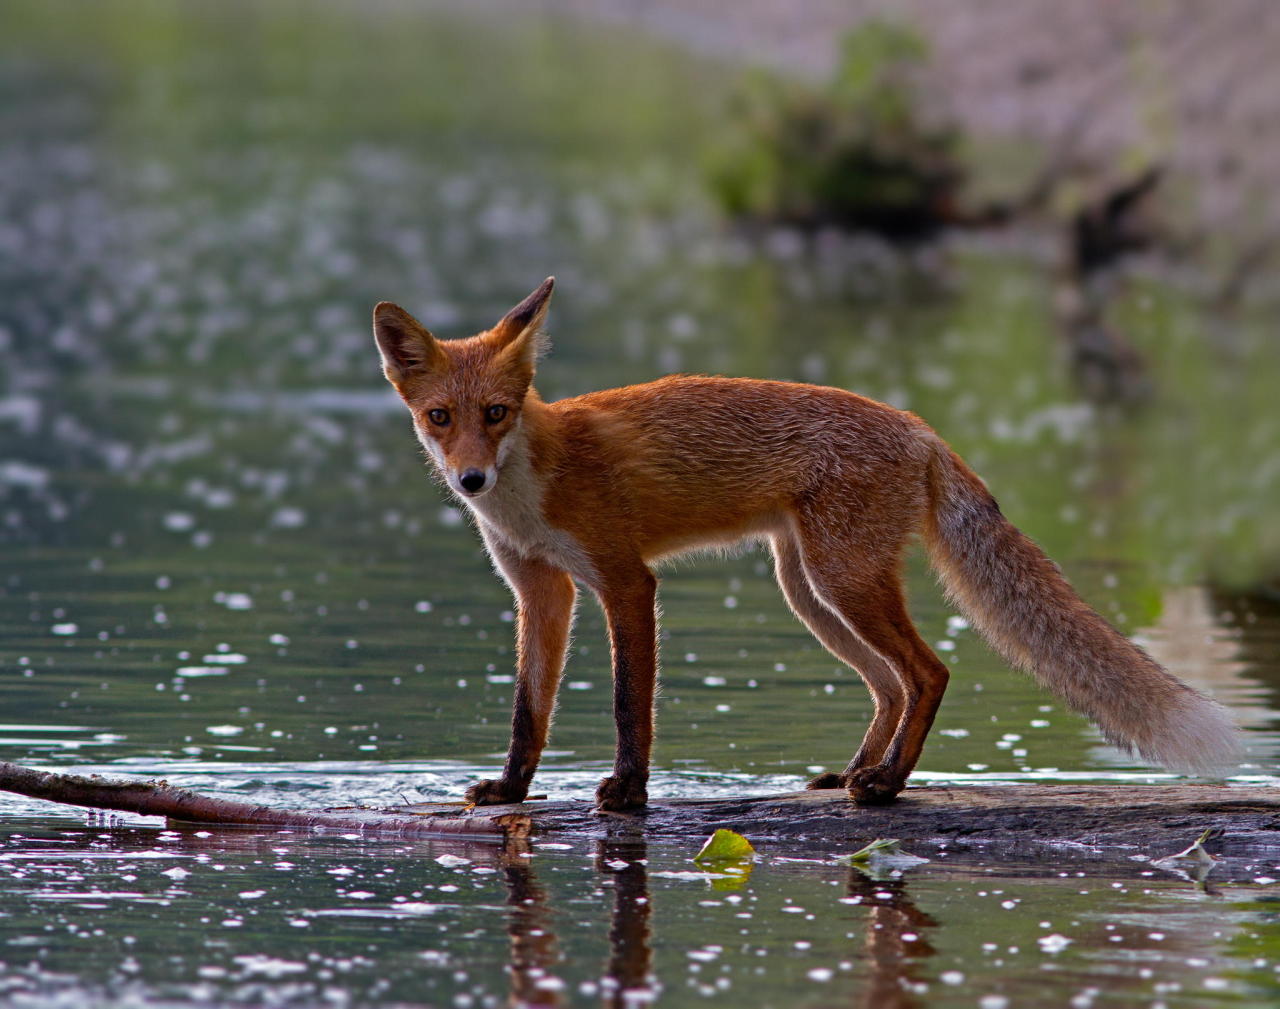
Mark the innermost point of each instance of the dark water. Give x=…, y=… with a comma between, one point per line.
x=222, y=560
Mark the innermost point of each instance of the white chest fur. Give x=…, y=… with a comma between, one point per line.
x=513, y=513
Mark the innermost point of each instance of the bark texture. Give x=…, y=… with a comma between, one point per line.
x=158, y=798
x=1028, y=820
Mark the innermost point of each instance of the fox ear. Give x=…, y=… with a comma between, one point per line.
x=404, y=343
x=521, y=328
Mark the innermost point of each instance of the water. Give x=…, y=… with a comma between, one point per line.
x=222, y=561
x=110, y=914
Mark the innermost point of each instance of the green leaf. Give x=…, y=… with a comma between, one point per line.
x=882, y=851
x=725, y=846
x=1195, y=854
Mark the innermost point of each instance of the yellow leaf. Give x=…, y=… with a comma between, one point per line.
x=725, y=846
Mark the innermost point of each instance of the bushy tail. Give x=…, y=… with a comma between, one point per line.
x=1023, y=605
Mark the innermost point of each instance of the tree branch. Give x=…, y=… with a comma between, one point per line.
x=159, y=798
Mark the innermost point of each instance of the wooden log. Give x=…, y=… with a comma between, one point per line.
x=158, y=798
x=1156, y=819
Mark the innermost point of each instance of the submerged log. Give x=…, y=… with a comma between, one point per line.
x=159, y=798
x=1155, y=819
x=1100, y=816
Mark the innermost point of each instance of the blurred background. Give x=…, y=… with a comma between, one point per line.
x=1049, y=229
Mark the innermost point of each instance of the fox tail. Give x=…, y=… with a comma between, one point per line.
x=1029, y=613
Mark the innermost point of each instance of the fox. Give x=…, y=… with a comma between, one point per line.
x=596, y=489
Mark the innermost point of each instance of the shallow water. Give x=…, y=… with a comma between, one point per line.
x=223, y=561
x=122, y=914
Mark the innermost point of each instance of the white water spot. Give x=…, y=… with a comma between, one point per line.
x=192, y=671
x=21, y=411
x=176, y=873
x=179, y=522
x=64, y=629
x=234, y=600
x=288, y=518
x=714, y=681
x=226, y=659
x=15, y=473
x=261, y=965
x=224, y=730
x=452, y=861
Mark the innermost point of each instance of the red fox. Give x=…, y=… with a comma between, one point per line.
x=596, y=488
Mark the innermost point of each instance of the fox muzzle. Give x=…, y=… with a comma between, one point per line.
x=472, y=480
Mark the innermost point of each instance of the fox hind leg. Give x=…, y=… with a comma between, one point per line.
x=870, y=602
x=629, y=599
x=831, y=631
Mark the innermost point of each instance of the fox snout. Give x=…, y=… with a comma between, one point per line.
x=473, y=480
x=470, y=481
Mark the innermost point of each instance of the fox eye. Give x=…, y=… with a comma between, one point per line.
x=439, y=417
x=495, y=413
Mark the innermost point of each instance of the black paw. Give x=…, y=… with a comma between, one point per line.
x=875, y=786
x=620, y=792
x=496, y=793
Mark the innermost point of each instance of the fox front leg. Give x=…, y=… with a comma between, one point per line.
x=629, y=604
x=545, y=598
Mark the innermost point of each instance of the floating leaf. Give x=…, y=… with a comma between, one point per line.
x=884, y=851
x=1194, y=857
x=725, y=846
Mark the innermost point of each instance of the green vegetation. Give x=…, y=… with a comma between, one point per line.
x=859, y=151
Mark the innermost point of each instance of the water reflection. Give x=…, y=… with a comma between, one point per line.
x=628, y=977
x=535, y=951
x=242, y=918
x=895, y=944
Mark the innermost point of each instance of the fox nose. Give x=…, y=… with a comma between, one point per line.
x=472, y=480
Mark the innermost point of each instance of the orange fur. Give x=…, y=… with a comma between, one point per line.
x=598, y=487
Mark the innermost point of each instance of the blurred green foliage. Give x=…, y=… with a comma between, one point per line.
x=859, y=150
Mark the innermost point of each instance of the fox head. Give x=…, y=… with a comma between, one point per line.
x=466, y=396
